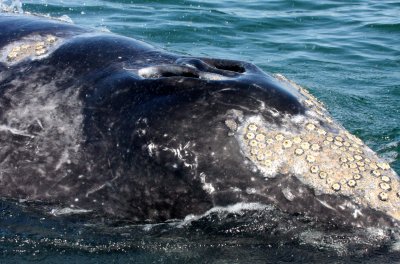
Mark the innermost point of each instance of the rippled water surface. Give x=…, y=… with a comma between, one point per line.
x=347, y=53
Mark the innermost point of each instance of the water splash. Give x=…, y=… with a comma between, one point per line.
x=15, y=6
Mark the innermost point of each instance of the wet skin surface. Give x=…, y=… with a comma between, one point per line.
x=108, y=124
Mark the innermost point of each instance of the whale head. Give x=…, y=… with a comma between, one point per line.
x=218, y=132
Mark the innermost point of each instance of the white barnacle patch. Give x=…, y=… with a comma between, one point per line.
x=322, y=155
x=33, y=47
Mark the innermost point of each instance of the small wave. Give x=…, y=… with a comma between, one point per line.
x=395, y=27
x=237, y=208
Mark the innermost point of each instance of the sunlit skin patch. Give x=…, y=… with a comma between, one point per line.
x=31, y=46
x=323, y=156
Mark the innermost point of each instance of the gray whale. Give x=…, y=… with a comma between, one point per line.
x=102, y=123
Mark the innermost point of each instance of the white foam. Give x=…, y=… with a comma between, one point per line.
x=16, y=6
x=235, y=208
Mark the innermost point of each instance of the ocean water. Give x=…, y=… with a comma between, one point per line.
x=347, y=53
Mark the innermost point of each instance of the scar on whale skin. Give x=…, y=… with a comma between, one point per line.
x=323, y=155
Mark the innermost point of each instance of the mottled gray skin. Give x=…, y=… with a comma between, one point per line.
x=85, y=128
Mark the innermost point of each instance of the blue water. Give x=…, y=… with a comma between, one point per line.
x=347, y=53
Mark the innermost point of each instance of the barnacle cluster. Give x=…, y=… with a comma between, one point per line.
x=323, y=155
x=33, y=46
